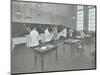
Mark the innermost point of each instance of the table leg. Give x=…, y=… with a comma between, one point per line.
x=64, y=47
x=56, y=55
x=50, y=56
x=71, y=50
x=35, y=59
x=42, y=62
x=83, y=52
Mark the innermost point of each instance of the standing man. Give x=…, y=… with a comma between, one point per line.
x=70, y=33
x=34, y=35
x=48, y=35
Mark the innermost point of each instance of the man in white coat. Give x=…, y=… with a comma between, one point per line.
x=64, y=32
x=34, y=35
x=48, y=35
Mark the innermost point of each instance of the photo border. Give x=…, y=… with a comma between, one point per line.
x=60, y=4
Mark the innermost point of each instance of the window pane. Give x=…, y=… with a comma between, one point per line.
x=79, y=7
x=90, y=6
x=91, y=27
x=80, y=26
x=80, y=18
x=91, y=19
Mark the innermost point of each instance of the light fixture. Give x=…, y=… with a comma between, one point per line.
x=73, y=17
x=38, y=7
x=18, y=12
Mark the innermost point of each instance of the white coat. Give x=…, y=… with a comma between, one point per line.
x=64, y=32
x=48, y=36
x=34, y=35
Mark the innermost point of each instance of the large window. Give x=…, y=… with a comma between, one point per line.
x=80, y=13
x=91, y=21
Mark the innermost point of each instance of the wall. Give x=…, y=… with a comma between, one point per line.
x=63, y=14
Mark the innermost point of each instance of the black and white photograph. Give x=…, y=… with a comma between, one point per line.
x=52, y=37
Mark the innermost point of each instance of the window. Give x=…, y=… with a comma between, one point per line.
x=80, y=13
x=91, y=21
x=79, y=7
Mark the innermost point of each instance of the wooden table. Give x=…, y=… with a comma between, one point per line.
x=38, y=50
x=17, y=40
x=70, y=42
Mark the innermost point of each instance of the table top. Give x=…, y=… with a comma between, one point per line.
x=45, y=48
x=19, y=40
x=86, y=35
x=71, y=41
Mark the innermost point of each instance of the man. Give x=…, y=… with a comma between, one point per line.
x=28, y=39
x=64, y=32
x=70, y=33
x=34, y=35
x=48, y=35
x=82, y=34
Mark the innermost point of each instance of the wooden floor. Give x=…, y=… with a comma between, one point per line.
x=23, y=61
